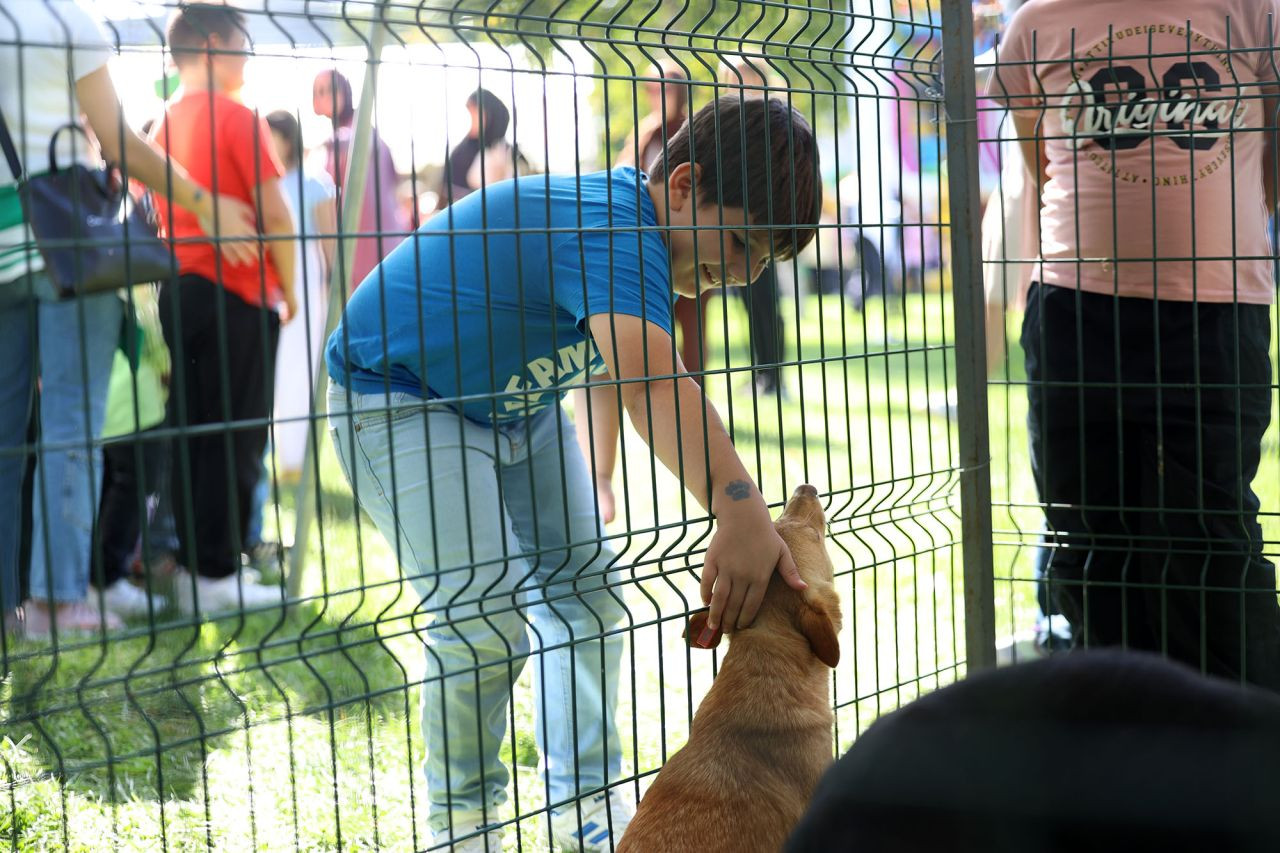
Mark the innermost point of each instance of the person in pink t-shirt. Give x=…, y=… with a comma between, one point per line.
x=1148, y=126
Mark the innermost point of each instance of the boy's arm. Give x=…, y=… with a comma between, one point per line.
x=277, y=222
x=672, y=414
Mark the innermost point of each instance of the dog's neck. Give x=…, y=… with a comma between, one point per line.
x=777, y=673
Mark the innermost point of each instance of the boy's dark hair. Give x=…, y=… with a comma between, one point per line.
x=496, y=116
x=284, y=123
x=190, y=29
x=757, y=154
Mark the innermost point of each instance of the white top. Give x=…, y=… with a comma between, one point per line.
x=45, y=46
x=60, y=43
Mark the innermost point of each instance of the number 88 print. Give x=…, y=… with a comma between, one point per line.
x=1182, y=108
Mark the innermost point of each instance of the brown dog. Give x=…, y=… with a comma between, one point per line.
x=762, y=737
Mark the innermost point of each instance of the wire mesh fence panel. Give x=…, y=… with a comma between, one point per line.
x=1130, y=279
x=494, y=334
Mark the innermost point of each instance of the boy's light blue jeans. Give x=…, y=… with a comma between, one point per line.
x=497, y=530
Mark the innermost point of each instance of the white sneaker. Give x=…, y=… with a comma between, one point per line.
x=216, y=595
x=467, y=826
x=128, y=601
x=604, y=819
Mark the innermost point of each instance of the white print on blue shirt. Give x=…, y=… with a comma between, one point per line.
x=569, y=366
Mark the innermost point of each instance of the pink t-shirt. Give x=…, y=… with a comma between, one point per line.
x=1150, y=128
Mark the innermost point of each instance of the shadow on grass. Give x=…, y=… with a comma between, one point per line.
x=139, y=717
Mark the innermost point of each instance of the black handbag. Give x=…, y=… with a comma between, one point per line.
x=88, y=231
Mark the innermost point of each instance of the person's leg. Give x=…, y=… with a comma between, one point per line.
x=119, y=514
x=576, y=612
x=187, y=316
x=429, y=484
x=1212, y=594
x=17, y=381
x=766, y=329
x=689, y=315
x=251, y=373
x=77, y=338
x=1077, y=444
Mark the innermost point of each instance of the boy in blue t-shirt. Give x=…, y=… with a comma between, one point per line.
x=447, y=371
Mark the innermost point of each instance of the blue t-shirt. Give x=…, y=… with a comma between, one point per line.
x=485, y=306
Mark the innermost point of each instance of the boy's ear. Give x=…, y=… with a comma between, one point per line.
x=815, y=623
x=693, y=631
x=681, y=184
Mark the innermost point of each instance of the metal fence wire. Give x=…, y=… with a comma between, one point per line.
x=279, y=594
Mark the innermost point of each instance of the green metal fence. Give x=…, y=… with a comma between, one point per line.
x=293, y=722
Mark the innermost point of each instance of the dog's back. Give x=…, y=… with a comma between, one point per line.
x=761, y=738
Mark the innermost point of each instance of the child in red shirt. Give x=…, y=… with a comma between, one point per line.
x=220, y=319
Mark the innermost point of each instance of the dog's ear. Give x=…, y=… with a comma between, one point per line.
x=816, y=625
x=696, y=627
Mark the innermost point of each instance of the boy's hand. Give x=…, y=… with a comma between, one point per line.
x=288, y=308
x=742, y=556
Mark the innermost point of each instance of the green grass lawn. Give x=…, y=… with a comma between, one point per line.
x=298, y=730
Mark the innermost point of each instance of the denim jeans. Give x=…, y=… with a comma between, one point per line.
x=497, y=531
x=68, y=346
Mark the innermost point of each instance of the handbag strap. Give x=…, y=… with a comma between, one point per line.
x=10, y=152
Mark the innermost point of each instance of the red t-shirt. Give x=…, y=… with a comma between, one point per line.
x=210, y=134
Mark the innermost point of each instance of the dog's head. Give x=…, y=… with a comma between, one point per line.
x=814, y=612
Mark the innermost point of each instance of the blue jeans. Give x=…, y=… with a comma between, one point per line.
x=497, y=531
x=68, y=346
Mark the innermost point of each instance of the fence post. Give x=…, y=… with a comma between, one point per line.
x=960, y=101
x=352, y=204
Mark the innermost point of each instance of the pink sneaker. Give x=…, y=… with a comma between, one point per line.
x=74, y=618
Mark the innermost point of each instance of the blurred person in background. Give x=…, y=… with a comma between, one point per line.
x=133, y=460
x=311, y=200
x=221, y=320
x=65, y=347
x=598, y=435
x=484, y=156
x=382, y=222
x=1147, y=334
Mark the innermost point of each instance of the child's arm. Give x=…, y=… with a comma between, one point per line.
x=277, y=221
x=97, y=96
x=595, y=415
x=672, y=415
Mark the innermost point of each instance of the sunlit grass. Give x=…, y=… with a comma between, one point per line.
x=299, y=730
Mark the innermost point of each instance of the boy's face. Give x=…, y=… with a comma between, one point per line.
x=715, y=250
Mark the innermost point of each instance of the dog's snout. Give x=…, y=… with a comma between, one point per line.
x=804, y=506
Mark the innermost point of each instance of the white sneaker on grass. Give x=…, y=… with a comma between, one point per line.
x=604, y=818
x=219, y=595
x=128, y=601
x=467, y=828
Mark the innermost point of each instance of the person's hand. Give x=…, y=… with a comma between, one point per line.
x=288, y=308
x=741, y=558
x=236, y=228
x=604, y=495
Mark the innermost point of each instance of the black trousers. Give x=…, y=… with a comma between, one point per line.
x=761, y=296
x=131, y=474
x=223, y=351
x=1146, y=421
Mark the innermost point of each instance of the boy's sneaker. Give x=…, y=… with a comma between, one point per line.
x=218, y=595
x=604, y=819
x=128, y=601
x=467, y=828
